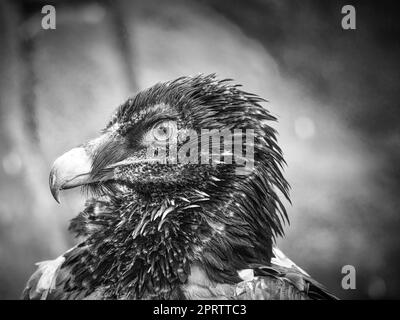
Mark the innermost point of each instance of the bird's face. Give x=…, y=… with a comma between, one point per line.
x=129, y=155
x=155, y=142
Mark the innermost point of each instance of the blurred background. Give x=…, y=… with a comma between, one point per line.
x=334, y=91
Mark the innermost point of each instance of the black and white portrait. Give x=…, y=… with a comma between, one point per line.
x=212, y=149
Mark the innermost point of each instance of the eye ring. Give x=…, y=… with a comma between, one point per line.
x=164, y=131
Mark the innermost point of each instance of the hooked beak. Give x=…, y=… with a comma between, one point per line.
x=70, y=170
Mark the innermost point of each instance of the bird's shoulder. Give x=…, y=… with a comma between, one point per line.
x=54, y=280
x=285, y=268
x=43, y=280
x=281, y=280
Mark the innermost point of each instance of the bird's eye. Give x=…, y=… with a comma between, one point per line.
x=164, y=131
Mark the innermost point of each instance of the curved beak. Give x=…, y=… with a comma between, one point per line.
x=70, y=170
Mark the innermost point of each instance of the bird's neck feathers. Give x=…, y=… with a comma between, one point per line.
x=144, y=246
x=138, y=249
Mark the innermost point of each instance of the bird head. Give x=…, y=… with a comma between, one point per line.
x=173, y=136
x=160, y=171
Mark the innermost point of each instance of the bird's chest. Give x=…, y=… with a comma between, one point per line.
x=140, y=251
x=143, y=262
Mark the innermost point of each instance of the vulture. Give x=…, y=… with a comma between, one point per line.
x=163, y=221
